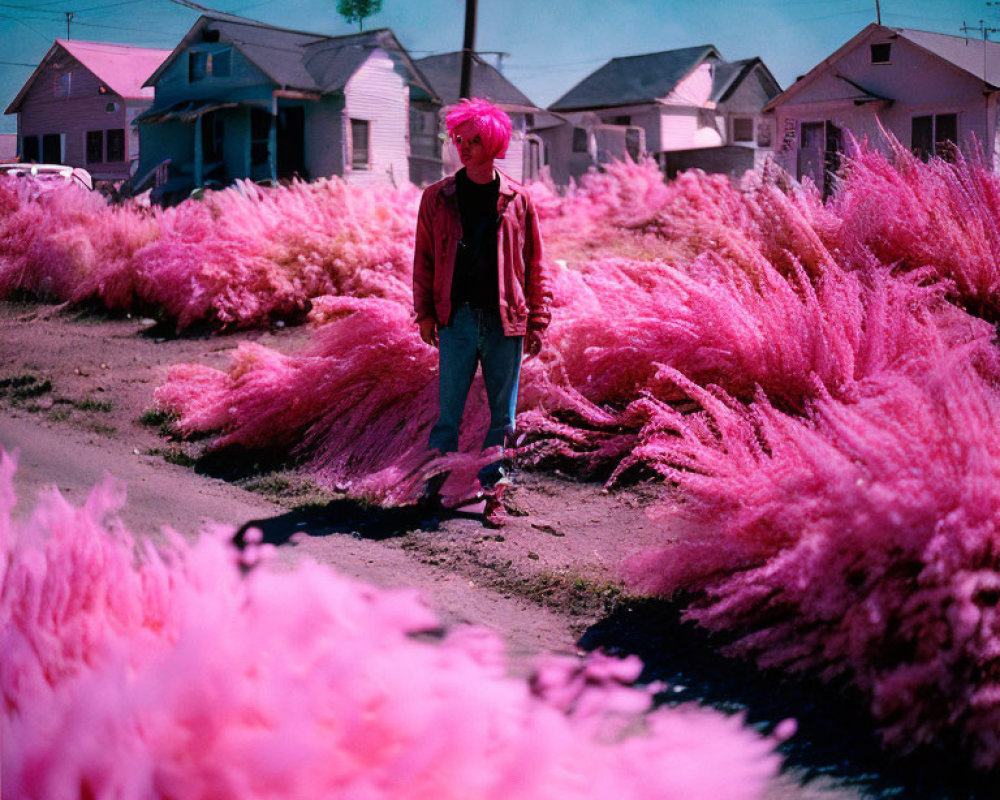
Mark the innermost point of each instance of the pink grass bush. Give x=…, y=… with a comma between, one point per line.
x=67, y=244
x=356, y=406
x=858, y=542
x=241, y=257
x=912, y=214
x=134, y=672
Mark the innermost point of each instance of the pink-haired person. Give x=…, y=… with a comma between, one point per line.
x=480, y=292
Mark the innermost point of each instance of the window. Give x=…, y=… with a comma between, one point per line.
x=62, y=84
x=111, y=108
x=29, y=148
x=621, y=119
x=202, y=63
x=95, y=147
x=580, y=140
x=197, y=66
x=260, y=136
x=933, y=134
x=52, y=148
x=359, y=139
x=743, y=129
x=220, y=63
x=116, y=144
x=881, y=53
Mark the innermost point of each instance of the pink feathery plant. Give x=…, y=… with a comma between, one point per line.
x=858, y=543
x=241, y=257
x=195, y=671
x=355, y=407
x=941, y=214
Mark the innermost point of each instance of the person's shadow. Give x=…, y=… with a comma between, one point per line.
x=834, y=738
x=351, y=517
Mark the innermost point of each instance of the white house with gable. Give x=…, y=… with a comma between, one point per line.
x=927, y=89
x=690, y=108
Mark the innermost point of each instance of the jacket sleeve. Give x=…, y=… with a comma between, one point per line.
x=538, y=286
x=423, y=263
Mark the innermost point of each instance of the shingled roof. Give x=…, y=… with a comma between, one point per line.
x=299, y=60
x=445, y=71
x=634, y=79
x=964, y=53
x=122, y=68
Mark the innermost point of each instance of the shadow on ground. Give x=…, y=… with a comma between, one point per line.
x=353, y=517
x=834, y=738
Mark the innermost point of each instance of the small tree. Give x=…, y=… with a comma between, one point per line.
x=357, y=10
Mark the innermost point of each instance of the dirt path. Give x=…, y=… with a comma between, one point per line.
x=74, y=395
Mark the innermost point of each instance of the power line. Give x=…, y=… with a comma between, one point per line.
x=18, y=64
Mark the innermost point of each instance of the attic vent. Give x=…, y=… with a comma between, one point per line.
x=881, y=53
x=210, y=35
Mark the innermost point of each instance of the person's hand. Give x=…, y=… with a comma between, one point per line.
x=428, y=331
x=533, y=342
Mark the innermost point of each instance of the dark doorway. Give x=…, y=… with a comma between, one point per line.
x=291, y=142
x=52, y=148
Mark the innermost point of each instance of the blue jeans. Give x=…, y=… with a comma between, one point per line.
x=476, y=337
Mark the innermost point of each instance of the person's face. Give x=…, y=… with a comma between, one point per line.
x=469, y=144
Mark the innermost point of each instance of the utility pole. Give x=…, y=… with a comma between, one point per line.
x=69, y=19
x=468, y=47
x=878, y=12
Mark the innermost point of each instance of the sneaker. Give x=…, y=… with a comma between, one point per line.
x=431, y=496
x=495, y=514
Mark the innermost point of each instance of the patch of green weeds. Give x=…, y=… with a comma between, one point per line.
x=91, y=404
x=172, y=455
x=288, y=489
x=102, y=429
x=18, y=388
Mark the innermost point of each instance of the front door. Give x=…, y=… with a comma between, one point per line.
x=812, y=152
x=291, y=142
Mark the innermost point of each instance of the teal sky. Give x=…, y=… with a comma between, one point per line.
x=551, y=44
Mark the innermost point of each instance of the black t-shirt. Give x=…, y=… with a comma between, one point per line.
x=476, y=273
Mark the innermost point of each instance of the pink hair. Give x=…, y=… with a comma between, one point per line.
x=490, y=122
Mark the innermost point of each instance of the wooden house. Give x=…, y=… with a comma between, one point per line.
x=693, y=109
x=927, y=89
x=241, y=99
x=78, y=105
x=437, y=156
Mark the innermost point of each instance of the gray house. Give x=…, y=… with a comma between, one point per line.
x=525, y=155
x=241, y=99
x=694, y=109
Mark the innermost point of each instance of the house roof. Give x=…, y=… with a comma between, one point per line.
x=445, y=74
x=634, y=79
x=299, y=60
x=122, y=68
x=966, y=54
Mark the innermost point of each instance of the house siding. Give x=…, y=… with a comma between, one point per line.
x=82, y=109
x=378, y=94
x=325, y=137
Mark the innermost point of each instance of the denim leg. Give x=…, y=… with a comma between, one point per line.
x=501, y=361
x=457, y=359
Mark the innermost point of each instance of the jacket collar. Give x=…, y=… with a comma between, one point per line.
x=506, y=185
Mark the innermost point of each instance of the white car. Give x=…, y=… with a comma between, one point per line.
x=53, y=174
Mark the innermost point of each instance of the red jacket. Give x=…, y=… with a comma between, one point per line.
x=525, y=294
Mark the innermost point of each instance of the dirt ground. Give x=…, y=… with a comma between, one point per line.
x=76, y=392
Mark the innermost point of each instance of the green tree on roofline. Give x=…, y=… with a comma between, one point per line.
x=357, y=10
